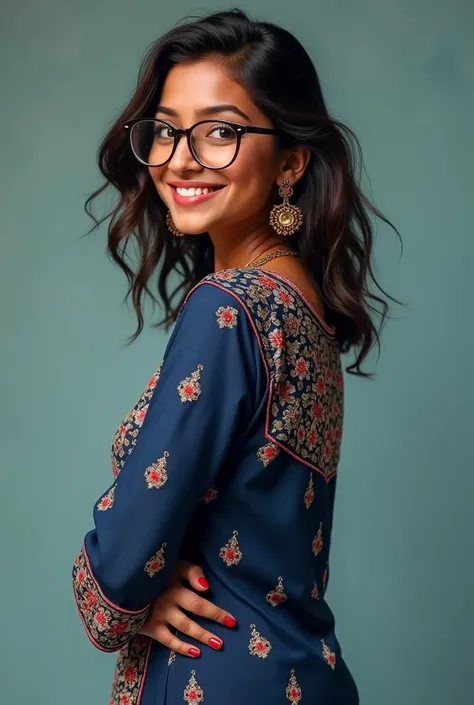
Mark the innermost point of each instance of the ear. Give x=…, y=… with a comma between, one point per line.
x=294, y=165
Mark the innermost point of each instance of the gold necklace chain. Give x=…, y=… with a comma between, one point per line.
x=263, y=259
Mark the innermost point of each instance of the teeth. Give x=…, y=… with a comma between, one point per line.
x=193, y=191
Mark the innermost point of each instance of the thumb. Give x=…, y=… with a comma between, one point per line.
x=193, y=574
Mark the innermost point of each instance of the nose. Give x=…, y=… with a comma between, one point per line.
x=182, y=160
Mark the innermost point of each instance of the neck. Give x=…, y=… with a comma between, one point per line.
x=235, y=249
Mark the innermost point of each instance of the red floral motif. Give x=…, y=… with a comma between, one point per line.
x=267, y=453
x=227, y=316
x=130, y=671
x=156, y=475
x=210, y=495
x=107, y=501
x=190, y=389
x=315, y=592
x=293, y=690
x=298, y=350
x=126, y=435
x=258, y=645
x=309, y=493
x=156, y=562
x=277, y=596
x=108, y=627
x=193, y=693
x=329, y=656
x=317, y=545
x=230, y=552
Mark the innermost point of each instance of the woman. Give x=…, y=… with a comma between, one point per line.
x=233, y=179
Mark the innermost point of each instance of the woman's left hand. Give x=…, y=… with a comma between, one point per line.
x=167, y=611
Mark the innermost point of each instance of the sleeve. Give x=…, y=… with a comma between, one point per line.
x=205, y=398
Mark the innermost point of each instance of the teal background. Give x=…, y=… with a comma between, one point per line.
x=401, y=74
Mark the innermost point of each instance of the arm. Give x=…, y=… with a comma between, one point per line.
x=204, y=400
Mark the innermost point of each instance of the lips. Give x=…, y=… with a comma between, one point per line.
x=190, y=193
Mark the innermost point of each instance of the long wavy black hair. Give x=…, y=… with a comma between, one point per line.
x=336, y=239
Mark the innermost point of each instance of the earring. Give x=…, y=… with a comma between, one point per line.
x=171, y=226
x=285, y=218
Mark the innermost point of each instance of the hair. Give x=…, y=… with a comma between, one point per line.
x=336, y=240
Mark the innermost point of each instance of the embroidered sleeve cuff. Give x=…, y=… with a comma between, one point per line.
x=108, y=626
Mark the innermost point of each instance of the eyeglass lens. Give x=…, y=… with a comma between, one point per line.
x=214, y=143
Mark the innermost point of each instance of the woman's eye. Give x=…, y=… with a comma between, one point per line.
x=222, y=132
x=163, y=132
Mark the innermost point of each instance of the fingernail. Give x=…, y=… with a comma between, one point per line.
x=194, y=652
x=215, y=643
x=230, y=622
x=203, y=583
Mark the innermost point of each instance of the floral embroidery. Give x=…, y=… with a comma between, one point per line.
x=302, y=357
x=130, y=671
x=193, y=693
x=277, y=596
x=230, y=552
x=309, y=493
x=293, y=690
x=190, y=389
x=210, y=495
x=329, y=656
x=258, y=645
x=171, y=657
x=227, y=316
x=156, y=475
x=107, y=501
x=268, y=453
x=156, y=562
x=315, y=592
x=126, y=435
x=108, y=626
x=317, y=545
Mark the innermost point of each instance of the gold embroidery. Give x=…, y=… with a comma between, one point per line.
x=315, y=592
x=309, y=494
x=267, y=453
x=107, y=501
x=329, y=656
x=156, y=562
x=130, y=671
x=227, y=316
x=293, y=690
x=210, y=495
x=156, y=475
x=258, y=645
x=230, y=552
x=171, y=657
x=193, y=693
x=317, y=546
x=190, y=389
x=277, y=596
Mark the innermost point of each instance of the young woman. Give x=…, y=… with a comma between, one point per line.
x=236, y=185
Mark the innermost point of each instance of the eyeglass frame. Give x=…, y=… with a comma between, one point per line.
x=186, y=132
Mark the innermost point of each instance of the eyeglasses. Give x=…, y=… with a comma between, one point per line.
x=213, y=144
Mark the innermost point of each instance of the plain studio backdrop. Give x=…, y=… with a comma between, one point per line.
x=400, y=73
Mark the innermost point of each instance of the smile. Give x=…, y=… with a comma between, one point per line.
x=195, y=194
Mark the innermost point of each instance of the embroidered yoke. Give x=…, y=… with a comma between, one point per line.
x=229, y=460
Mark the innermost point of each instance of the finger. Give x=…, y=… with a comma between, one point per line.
x=187, y=626
x=196, y=604
x=193, y=574
x=161, y=633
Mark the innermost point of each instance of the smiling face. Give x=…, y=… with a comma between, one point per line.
x=237, y=197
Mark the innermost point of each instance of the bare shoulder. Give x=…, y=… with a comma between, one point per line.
x=292, y=269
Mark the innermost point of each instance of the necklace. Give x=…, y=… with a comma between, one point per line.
x=263, y=259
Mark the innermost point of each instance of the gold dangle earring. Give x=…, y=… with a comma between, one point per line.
x=171, y=226
x=285, y=218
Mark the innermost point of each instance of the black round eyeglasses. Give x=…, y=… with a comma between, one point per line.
x=214, y=144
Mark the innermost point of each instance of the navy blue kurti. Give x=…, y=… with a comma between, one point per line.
x=229, y=460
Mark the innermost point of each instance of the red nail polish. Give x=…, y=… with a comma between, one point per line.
x=203, y=583
x=230, y=622
x=215, y=643
x=194, y=652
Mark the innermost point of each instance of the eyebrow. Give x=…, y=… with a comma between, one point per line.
x=211, y=110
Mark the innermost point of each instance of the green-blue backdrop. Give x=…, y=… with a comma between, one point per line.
x=401, y=74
